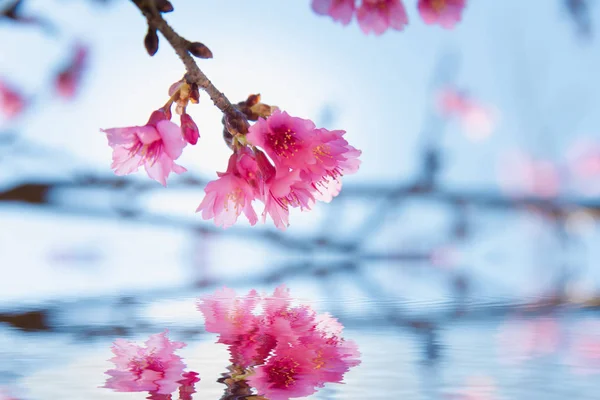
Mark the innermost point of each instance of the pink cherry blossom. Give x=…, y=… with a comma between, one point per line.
x=189, y=129
x=228, y=196
x=339, y=10
x=68, y=80
x=378, y=16
x=155, y=145
x=153, y=368
x=286, y=140
x=443, y=12
x=12, y=102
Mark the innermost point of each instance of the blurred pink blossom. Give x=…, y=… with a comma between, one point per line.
x=339, y=10
x=476, y=388
x=155, y=145
x=378, y=16
x=12, y=103
x=583, y=164
x=521, y=174
x=153, y=368
x=446, y=13
x=477, y=119
x=69, y=79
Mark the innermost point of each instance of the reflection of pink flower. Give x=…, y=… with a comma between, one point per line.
x=155, y=145
x=378, y=15
x=153, y=368
x=584, y=352
x=339, y=10
x=477, y=388
x=521, y=340
x=290, y=349
x=444, y=12
x=187, y=385
x=11, y=102
x=68, y=80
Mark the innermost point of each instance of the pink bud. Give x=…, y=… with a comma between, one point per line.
x=189, y=129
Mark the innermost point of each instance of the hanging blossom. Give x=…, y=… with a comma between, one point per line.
x=12, y=103
x=68, y=80
x=378, y=16
x=153, y=368
x=298, y=165
x=446, y=13
x=283, y=351
x=339, y=10
x=160, y=142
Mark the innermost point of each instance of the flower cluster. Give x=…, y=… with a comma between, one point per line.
x=378, y=16
x=153, y=368
x=477, y=119
x=284, y=351
x=307, y=163
x=298, y=164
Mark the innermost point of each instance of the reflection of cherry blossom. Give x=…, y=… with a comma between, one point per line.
x=281, y=350
x=476, y=388
x=153, y=368
x=520, y=340
x=584, y=352
x=4, y=395
x=478, y=120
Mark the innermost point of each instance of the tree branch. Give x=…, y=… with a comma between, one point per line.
x=235, y=118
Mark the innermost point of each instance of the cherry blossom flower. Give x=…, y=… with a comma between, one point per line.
x=446, y=13
x=378, y=16
x=153, y=368
x=12, y=102
x=155, y=145
x=307, y=165
x=68, y=80
x=339, y=10
x=228, y=196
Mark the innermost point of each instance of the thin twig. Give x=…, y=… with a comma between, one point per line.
x=194, y=74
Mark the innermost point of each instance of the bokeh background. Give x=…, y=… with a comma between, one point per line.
x=461, y=257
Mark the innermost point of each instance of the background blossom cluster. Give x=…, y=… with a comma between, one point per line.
x=377, y=16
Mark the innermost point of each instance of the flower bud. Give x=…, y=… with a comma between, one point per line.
x=199, y=50
x=189, y=129
x=151, y=41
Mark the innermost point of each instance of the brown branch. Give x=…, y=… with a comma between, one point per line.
x=235, y=119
